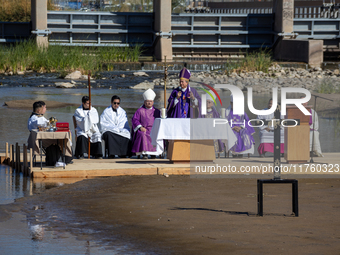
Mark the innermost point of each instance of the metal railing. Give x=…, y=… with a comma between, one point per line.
x=100, y=28
x=14, y=31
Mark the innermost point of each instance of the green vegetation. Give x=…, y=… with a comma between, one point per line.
x=27, y=56
x=328, y=86
x=259, y=60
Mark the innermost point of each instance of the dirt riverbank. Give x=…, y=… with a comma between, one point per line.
x=184, y=215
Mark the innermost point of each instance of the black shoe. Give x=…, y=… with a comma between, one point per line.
x=145, y=156
x=80, y=157
x=98, y=157
x=153, y=156
x=112, y=156
x=71, y=162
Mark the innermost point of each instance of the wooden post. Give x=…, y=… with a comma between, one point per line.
x=17, y=157
x=89, y=139
x=31, y=163
x=24, y=170
x=6, y=154
x=11, y=156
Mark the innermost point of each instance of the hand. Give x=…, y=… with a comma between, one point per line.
x=191, y=95
x=237, y=129
x=143, y=129
x=268, y=129
x=179, y=94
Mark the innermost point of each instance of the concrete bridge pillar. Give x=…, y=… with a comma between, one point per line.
x=39, y=22
x=287, y=47
x=162, y=26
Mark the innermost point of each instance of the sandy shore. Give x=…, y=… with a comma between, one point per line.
x=184, y=215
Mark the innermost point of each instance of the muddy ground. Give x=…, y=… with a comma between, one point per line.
x=185, y=215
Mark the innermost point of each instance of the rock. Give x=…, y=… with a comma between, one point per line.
x=140, y=74
x=21, y=72
x=10, y=73
x=336, y=72
x=122, y=75
x=73, y=82
x=74, y=76
x=64, y=85
x=143, y=85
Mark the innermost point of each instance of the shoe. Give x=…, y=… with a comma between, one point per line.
x=98, y=157
x=80, y=157
x=261, y=155
x=71, y=162
x=240, y=155
x=145, y=156
x=153, y=156
x=112, y=156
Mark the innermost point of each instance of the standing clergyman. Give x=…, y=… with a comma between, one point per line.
x=115, y=129
x=87, y=121
x=142, y=122
x=243, y=131
x=184, y=100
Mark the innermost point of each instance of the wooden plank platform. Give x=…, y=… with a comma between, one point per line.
x=91, y=168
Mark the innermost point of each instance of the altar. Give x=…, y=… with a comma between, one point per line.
x=191, y=139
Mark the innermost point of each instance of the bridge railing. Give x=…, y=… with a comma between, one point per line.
x=14, y=31
x=100, y=28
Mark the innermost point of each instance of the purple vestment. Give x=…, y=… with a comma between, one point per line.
x=182, y=109
x=244, y=138
x=141, y=141
x=219, y=146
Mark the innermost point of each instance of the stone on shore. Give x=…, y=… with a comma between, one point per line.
x=143, y=85
x=76, y=75
x=141, y=74
x=64, y=85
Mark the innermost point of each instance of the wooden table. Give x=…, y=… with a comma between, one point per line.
x=42, y=139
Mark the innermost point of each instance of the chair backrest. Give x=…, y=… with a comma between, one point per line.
x=75, y=127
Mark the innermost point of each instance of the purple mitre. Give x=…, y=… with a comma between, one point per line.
x=184, y=74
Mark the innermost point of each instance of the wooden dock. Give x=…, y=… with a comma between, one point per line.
x=90, y=168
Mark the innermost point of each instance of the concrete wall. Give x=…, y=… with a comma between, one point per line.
x=162, y=23
x=39, y=20
x=308, y=51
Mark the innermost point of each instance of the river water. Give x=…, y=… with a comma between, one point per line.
x=26, y=234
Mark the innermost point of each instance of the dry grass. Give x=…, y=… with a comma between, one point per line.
x=18, y=10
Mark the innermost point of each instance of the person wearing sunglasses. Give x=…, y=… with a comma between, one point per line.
x=115, y=129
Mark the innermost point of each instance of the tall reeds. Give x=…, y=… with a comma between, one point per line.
x=259, y=60
x=27, y=56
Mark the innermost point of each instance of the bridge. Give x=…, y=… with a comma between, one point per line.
x=215, y=34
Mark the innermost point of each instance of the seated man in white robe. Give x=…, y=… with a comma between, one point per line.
x=115, y=129
x=314, y=141
x=267, y=134
x=87, y=121
x=37, y=117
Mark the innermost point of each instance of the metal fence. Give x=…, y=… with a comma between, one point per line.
x=100, y=28
x=202, y=33
x=14, y=31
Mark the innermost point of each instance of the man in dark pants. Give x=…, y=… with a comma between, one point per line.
x=86, y=121
x=115, y=129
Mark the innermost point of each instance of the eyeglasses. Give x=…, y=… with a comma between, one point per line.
x=116, y=103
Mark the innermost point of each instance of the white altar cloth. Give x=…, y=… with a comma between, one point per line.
x=192, y=129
